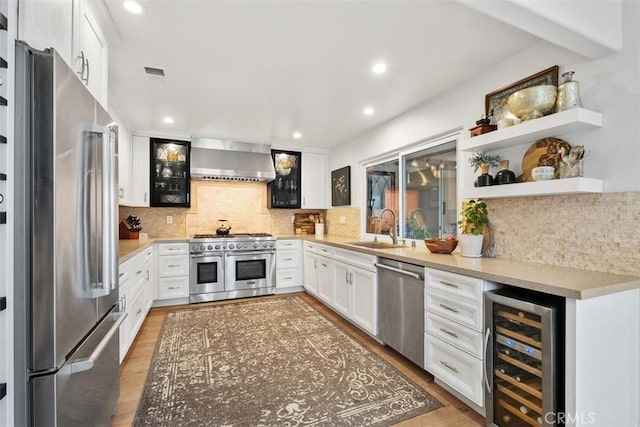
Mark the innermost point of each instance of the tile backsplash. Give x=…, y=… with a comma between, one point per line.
x=243, y=205
x=598, y=232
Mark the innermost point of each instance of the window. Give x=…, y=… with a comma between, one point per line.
x=429, y=192
x=420, y=186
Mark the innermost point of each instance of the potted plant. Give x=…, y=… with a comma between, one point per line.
x=474, y=217
x=480, y=158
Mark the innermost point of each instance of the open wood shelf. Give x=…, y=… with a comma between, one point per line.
x=540, y=188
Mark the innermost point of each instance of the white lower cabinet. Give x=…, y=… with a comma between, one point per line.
x=172, y=271
x=346, y=281
x=136, y=296
x=288, y=265
x=454, y=326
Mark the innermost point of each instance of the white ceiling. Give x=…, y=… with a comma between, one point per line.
x=258, y=71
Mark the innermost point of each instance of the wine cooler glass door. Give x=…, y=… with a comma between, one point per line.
x=520, y=391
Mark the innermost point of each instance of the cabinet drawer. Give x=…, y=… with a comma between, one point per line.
x=456, y=368
x=169, y=266
x=455, y=284
x=287, y=259
x=173, y=249
x=356, y=258
x=311, y=247
x=288, y=244
x=173, y=287
x=148, y=255
x=325, y=251
x=137, y=311
x=123, y=273
x=288, y=278
x=455, y=334
x=465, y=313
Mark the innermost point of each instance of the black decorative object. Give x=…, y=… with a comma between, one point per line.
x=3, y=390
x=504, y=175
x=341, y=186
x=3, y=303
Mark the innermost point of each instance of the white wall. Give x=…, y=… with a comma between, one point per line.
x=609, y=85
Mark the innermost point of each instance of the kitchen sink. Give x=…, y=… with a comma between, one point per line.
x=375, y=245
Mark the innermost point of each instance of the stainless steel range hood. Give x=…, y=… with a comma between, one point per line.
x=216, y=159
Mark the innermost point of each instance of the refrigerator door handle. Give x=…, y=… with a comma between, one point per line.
x=487, y=335
x=110, y=206
x=86, y=364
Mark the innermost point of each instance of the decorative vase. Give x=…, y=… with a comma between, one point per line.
x=485, y=179
x=504, y=175
x=471, y=245
x=568, y=93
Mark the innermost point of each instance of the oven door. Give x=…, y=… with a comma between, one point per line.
x=249, y=270
x=206, y=273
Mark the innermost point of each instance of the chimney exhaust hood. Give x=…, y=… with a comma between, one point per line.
x=223, y=160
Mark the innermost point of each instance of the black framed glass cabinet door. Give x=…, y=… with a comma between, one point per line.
x=170, y=179
x=285, y=190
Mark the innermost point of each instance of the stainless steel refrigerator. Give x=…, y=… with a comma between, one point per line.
x=66, y=283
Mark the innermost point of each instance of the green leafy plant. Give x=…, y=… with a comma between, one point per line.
x=481, y=157
x=474, y=216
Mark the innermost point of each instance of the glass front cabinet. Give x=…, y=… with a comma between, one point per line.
x=285, y=190
x=170, y=178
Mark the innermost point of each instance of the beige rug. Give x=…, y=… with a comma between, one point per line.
x=270, y=362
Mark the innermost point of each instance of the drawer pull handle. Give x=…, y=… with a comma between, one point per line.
x=452, y=334
x=450, y=284
x=173, y=265
x=288, y=259
x=173, y=249
x=446, y=307
x=288, y=278
x=122, y=274
x=138, y=312
x=446, y=365
x=139, y=272
x=323, y=264
x=173, y=287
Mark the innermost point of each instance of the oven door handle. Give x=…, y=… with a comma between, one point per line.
x=207, y=255
x=230, y=254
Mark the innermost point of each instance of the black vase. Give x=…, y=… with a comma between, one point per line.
x=504, y=175
x=485, y=180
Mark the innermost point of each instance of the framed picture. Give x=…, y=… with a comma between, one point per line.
x=341, y=186
x=496, y=101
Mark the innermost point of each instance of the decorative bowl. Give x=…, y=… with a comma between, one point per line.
x=441, y=246
x=542, y=173
x=532, y=102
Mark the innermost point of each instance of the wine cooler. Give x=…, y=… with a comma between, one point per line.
x=524, y=356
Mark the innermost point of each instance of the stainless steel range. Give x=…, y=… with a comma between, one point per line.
x=231, y=266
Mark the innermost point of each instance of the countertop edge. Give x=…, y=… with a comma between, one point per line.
x=621, y=283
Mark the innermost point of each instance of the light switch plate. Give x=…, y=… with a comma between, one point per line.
x=169, y=219
x=343, y=219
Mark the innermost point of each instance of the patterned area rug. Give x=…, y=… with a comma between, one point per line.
x=270, y=362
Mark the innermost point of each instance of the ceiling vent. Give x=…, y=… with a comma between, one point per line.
x=154, y=72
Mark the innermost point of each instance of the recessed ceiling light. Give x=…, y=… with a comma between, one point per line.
x=368, y=111
x=297, y=135
x=379, y=68
x=168, y=120
x=133, y=6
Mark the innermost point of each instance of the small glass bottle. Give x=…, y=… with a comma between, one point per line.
x=568, y=93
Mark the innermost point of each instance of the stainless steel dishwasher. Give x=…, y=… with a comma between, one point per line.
x=401, y=308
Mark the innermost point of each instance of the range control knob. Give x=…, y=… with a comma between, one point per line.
x=230, y=245
x=239, y=246
x=210, y=247
x=202, y=247
x=217, y=246
x=265, y=245
x=271, y=245
x=255, y=245
x=194, y=248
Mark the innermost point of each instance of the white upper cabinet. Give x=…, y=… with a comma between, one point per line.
x=314, y=180
x=139, y=172
x=124, y=164
x=72, y=28
x=45, y=24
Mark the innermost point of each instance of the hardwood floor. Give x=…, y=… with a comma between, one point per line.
x=133, y=372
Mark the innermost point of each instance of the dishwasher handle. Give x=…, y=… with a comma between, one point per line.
x=397, y=270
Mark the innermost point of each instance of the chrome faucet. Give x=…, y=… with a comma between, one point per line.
x=392, y=230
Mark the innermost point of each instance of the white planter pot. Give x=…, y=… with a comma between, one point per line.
x=471, y=245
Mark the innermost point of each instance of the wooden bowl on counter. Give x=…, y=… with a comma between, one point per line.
x=441, y=245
